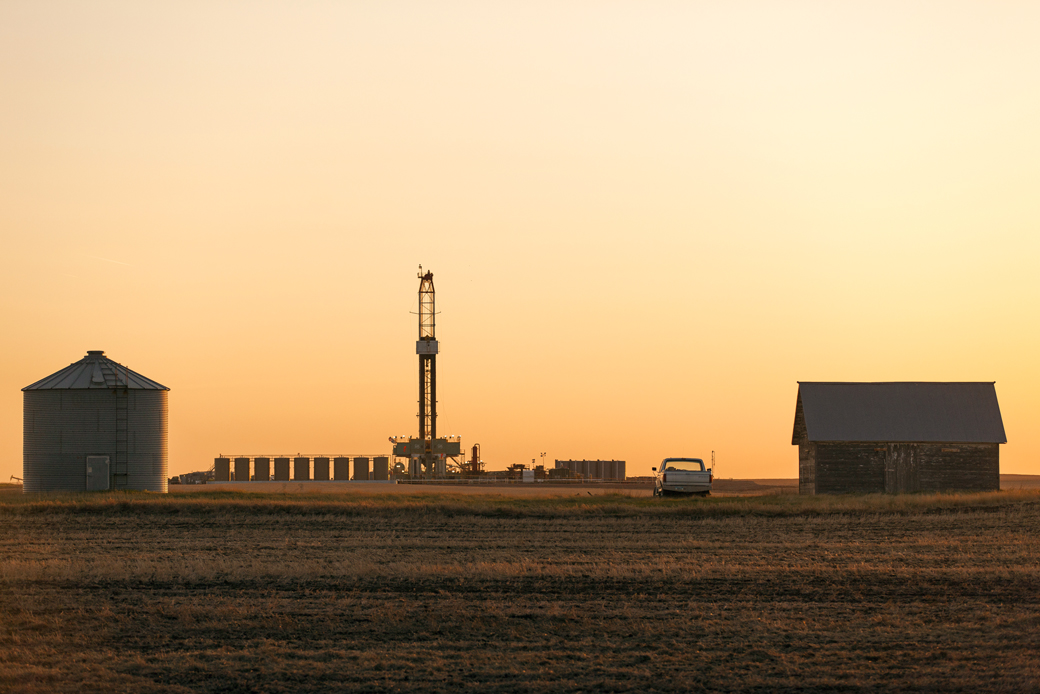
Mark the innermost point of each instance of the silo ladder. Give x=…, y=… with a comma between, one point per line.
x=119, y=474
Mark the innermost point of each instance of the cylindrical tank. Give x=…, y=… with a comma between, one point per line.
x=241, y=469
x=360, y=468
x=281, y=469
x=341, y=468
x=321, y=468
x=262, y=469
x=221, y=469
x=99, y=409
x=381, y=468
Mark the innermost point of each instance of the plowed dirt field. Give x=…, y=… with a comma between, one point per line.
x=141, y=594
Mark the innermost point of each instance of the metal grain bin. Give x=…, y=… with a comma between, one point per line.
x=360, y=468
x=381, y=468
x=95, y=408
x=341, y=468
x=221, y=469
x=281, y=469
x=321, y=469
x=241, y=469
x=301, y=469
x=262, y=469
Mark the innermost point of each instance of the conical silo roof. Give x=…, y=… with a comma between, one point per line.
x=95, y=371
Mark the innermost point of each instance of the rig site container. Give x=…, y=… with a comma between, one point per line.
x=381, y=468
x=341, y=468
x=595, y=469
x=360, y=468
x=241, y=469
x=95, y=408
x=301, y=469
x=262, y=469
x=281, y=469
x=321, y=469
x=221, y=469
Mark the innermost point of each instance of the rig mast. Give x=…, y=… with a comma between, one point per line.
x=426, y=348
x=427, y=453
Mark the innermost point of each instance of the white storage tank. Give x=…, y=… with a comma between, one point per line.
x=95, y=425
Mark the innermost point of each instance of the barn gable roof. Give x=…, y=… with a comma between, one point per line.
x=902, y=411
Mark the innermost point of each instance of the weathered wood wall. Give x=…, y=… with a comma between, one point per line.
x=901, y=468
x=958, y=467
x=800, y=431
x=850, y=468
x=806, y=467
x=897, y=468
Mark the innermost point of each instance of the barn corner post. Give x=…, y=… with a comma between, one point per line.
x=901, y=468
x=891, y=474
x=806, y=451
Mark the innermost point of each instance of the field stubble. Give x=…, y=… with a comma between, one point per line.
x=139, y=593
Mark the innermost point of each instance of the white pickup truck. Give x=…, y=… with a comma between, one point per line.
x=682, y=476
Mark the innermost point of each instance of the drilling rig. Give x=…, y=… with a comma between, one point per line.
x=427, y=453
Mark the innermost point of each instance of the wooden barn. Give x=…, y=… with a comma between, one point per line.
x=859, y=438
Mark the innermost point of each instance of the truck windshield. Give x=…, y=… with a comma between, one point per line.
x=684, y=465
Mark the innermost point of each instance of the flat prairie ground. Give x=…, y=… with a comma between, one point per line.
x=227, y=592
x=1020, y=481
x=721, y=487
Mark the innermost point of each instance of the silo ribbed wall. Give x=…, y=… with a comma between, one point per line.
x=149, y=445
x=62, y=427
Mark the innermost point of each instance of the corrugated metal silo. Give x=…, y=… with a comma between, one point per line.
x=97, y=409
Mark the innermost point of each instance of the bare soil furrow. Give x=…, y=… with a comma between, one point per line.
x=148, y=595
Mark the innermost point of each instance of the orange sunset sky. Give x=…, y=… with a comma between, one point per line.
x=646, y=220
